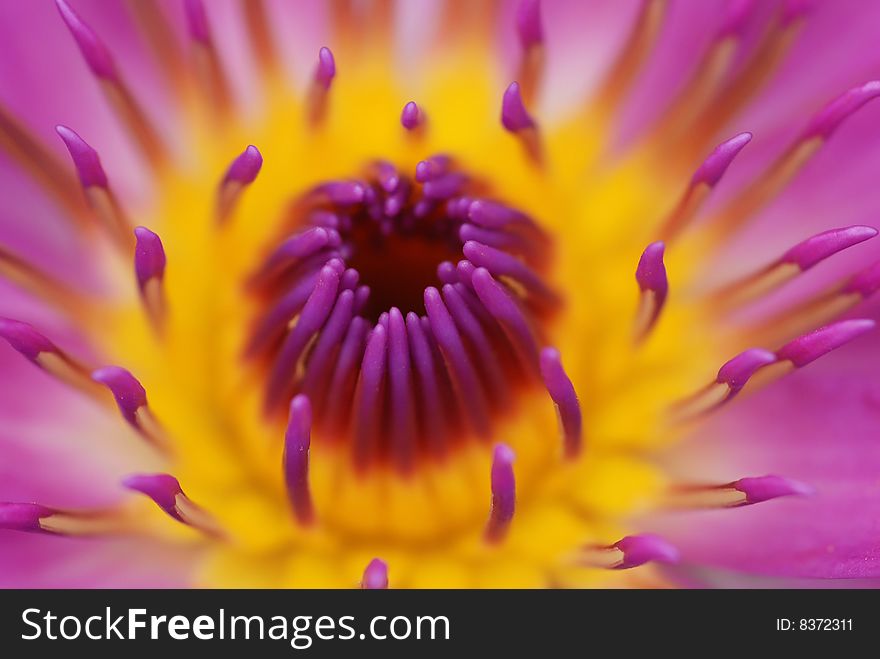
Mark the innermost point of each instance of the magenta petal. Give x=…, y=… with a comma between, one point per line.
x=817, y=426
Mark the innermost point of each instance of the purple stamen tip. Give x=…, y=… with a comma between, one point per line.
x=411, y=117
x=833, y=114
x=128, y=392
x=432, y=168
x=95, y=53
x=651, y=272
x=85, y=158
x=736, y=372
x=562, y=392
x=735, y=18
x=503, y=492
x=23, y=516
x=375, y=575
x=326, y=69
x=423, y=171
x=714, y=166
x=245, y=167
x=197, y=21
x=819, y=247
x=528, y=23
x=866, y=282
x=764, y=488
x=643, y=548
x=513, y=113
x=163, y=489
x=345, y=193
x=297, y=441
x=149, y=256
x=492, y=215
x=810, y=347
x=25, y=339
x=299, y=425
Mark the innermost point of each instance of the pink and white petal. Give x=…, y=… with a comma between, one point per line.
x=691, y=576
x=39, y=561
x=581, y=39
x=39, y=231
x=818, y=426
x=45, y=81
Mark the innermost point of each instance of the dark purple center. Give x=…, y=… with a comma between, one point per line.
x=408, y=310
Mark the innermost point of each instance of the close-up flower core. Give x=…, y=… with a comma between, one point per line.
x=335, y=313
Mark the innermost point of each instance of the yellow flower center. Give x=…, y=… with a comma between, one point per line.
x=428, y=526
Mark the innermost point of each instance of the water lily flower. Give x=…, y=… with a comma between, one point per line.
x=395, y=295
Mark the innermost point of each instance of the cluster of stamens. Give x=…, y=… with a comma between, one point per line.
x=409, y=310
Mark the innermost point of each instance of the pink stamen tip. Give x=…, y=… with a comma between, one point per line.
x=866, y=282
x=375, y=575
x=93, y=50
x=832, y=115
x=528, y=23
x=810, y=347
x=819, y=247
x=651, y=272
x=245, y=167
x=492, y=215
x=129, y=394
x=197, y=21
x=23, y=516
x=736, y=16
x=431, y=168
x=764, y=488
x=737, y=372
x=714, y=166
x=25, y=339
x=411, y=117
x=85, y=159
x=297, y=441
x=644, y=548
x=149, y=256
x=503, y=493
x=562, y=392
x=344, y=193
x=163, y=489
x=513, y=113
x=326, y=69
